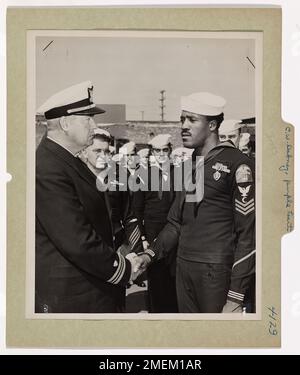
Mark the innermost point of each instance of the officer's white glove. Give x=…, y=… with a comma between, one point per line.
x=232, y=307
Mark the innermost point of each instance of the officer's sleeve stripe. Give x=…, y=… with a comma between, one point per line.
x=117, y=276
x=134, y=241
x=240, y=295
x=244, y=258
x=134, y=234
x=237, y=296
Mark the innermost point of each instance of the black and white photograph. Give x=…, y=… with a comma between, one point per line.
x=144, y=150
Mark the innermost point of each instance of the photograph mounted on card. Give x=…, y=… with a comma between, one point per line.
x=155, y=176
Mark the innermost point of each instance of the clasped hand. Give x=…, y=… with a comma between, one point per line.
x=139, y=264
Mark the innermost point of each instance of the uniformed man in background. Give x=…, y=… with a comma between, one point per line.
x=129, y=166
x=78, y=269
x=230, y=130
x=125, y=225
x=151, y=206
x=128, y=152
x=143, y=155
x=215, y=234
x=245, y=144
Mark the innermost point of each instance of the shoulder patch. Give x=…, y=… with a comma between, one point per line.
x=243, y=174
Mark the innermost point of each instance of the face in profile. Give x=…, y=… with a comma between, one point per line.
x=194, y=129
x=80, y=130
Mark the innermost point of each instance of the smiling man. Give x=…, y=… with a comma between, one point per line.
x=78, y=269
x=216, y=234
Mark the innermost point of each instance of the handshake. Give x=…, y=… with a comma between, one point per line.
x=139, y=263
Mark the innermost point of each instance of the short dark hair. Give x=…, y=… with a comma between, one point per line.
x=219, y=119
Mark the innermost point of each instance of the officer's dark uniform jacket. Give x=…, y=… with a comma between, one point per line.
x=77, y=266
x=221, y=227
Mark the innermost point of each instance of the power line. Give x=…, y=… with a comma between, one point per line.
x=162, y=105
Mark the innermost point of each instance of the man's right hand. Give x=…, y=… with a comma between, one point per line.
x=139, y=264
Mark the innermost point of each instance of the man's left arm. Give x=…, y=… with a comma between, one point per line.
x=244, y=222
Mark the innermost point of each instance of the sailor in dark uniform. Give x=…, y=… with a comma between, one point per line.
x=151, y=206
x=214, y=226
x=231, y=130
x=246, y=145
x=77, y=267
x=144, y=155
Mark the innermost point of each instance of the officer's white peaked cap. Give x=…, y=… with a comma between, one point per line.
x=228, y=126
x=74, y=100
x=203, y=103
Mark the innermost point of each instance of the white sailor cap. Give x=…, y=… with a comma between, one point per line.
x=177, y=151
x=103, y=132
x=180, y=151
x=117, y=158
x=187, y=151
x=127, y=148
x=228, y=126
x=203, y=103
x=244, y=140
x=160, y=140
x=144, y=152
x=75, y=100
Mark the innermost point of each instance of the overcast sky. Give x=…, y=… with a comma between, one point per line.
x=132, y=71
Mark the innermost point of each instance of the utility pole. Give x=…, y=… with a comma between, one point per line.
x=162, y=105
